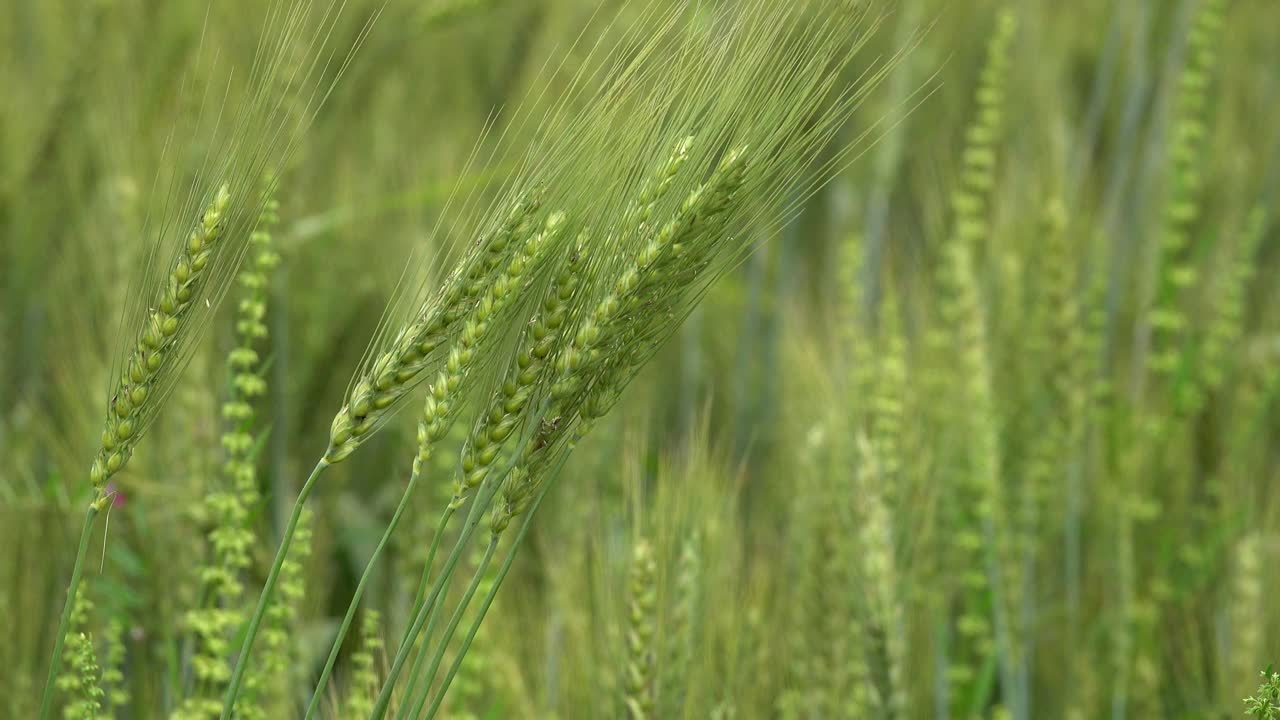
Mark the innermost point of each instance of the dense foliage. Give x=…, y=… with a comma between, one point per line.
x=857, y=359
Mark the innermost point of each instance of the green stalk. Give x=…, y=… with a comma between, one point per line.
x=420, y=655
x=473, y=520
x=484, y=607
x=242, y=662
x=431, y=558
x=436, y=659
x=89, y=516
x=314, y=705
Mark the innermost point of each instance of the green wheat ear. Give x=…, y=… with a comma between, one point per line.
x=756, y=134
x=981, y=529
x=639, y=671
x=250, y=135
x=677, y=661
x=541, y=342
x=497, y=295
x=445, y=396
x=81, y=678
x=397, y=370
x=1176, y=274
x=1231, y=287
x=638, y=310
x=363, y=683
x=233, y=505
x=113, y=678
x=155, y=353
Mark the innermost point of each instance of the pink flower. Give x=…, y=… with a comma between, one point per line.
x=117, y=496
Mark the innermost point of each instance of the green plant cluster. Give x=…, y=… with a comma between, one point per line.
x=813, y=359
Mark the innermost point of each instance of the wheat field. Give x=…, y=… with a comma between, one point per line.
x=645, y=359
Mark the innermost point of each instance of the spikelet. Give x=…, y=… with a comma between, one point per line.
x=155, y=353
x=172, y=308
x=621, y=332
x=886, y=449
x=1170, y=367
x=389, y=377
x=1215, y=361
x=694, y=237
x=1176, y=273
x=363, y=684
x=650, y=268
x=823, y=647
x=1056, y=349
x=1068, y=356
x=638, y=680
x=498, y=421
x=278, y=650
x=971, y=203
x=250, y=134
x=758, y=127
x=1247, y=608
x=88, y=706
x=980, y=529
x=539, y=347
x=231, y=506
x=849, y=638
x=497, y=291
x=247, y=381
x=982, y=534
x=1049, y=335
x=552, y=347
x=1229, y=304
x=214, y=625
x=1130, y=508
x=445, y=396
x=680, y=631
x=113, y=680
x=849, y=690
x=870, y=671
x=885, y=622
x=81, y=676
x=265, y=694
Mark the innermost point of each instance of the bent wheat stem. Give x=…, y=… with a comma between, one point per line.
x=242, y=662
x=436, y=659
x=420, y=596
x=431, y=558
x=345, y=627
x=420, y=657
x=419, y=599
x=72, y=588
x=488, y=598
x=487, y=491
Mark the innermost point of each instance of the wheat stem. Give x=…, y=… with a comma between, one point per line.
x=431, y=557
x=314, y=705
x=428, y=606
x=420, y=597
x=484, y=606
x=63, y=624
x=242, y=662
x=420, y=656
x=436, y=659
x=415, y=670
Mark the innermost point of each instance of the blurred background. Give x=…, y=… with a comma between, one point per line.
x=816, y=461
